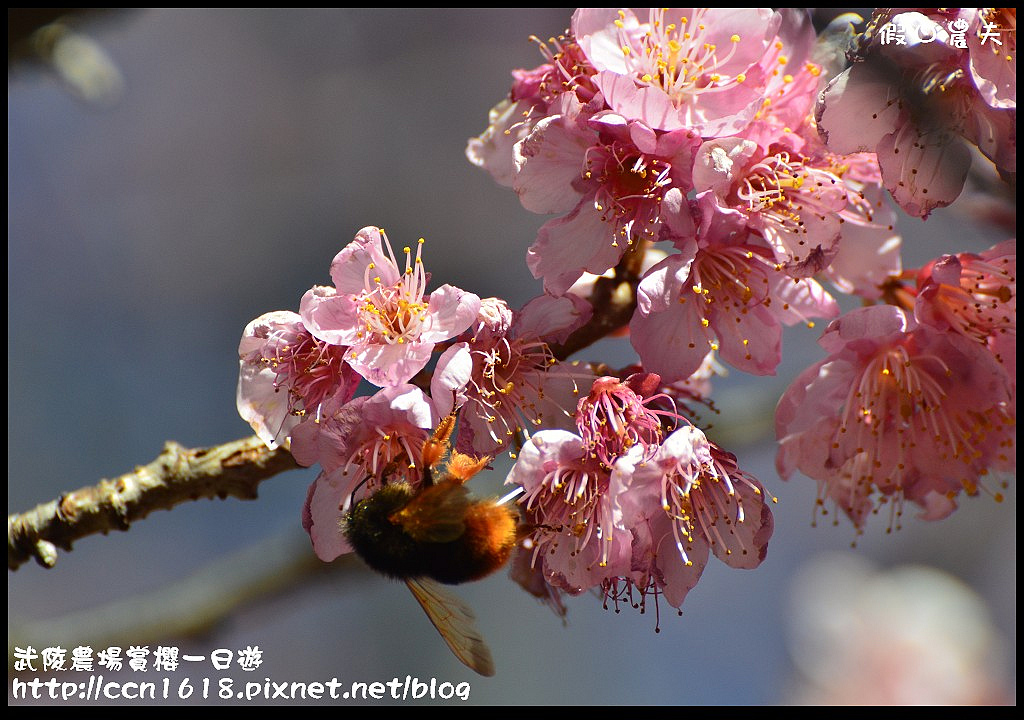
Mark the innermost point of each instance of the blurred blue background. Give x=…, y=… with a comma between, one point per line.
x=246, y=149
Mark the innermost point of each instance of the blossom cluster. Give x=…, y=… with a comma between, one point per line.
x=692, y=128
x=734, y=140
x=926, y=83
x=916, y=399
x=713, y=179
x=636, y=499
x=299, y=374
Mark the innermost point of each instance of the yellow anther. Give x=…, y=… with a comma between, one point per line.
x=741, y=77
x=734, y=38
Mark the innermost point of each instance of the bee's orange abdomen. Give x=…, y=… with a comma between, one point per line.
x=484, y=547
x=491, y=531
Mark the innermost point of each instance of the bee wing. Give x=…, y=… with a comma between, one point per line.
x=456, y=623
x=436, y=514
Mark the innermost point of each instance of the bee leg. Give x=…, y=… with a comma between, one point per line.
x=463, y=467
x=436, y=446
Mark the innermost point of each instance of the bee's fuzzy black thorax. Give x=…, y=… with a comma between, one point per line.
x=383, y=545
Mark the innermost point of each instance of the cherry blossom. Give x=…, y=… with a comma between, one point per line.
x=974, y=295
x=699, y=70
x=619, y=183
x=898, y=411
x=286, y=373
x=505, y=377
x=725, y=294
x=706, y=503
x=637, y=499
x=915, y=103
x=382, y=313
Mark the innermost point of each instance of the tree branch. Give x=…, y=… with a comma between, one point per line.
x=613, y=300
x=178, y=475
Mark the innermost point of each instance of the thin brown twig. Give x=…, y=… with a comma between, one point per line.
x=177, y=475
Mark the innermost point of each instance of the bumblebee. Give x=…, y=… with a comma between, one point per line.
x=437, y=533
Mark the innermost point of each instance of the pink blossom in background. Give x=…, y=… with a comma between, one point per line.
x=382, y=313
x=915, y=104
x=905, y=635
x=898, y=411
x=286, y=373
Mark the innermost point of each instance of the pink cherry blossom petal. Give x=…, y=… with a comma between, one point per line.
x=451, y=376
x=327, y=495
x=553, y=318
x=492, y=150
x=923, y=170
x=386, y=365
x=856, y=111
x=567, y=247
x=349, y=267
x=549, y=166
x=332, y=318
x=451, y=310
